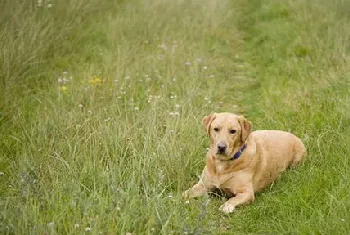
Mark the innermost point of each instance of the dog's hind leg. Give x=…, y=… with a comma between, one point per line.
x=299, y=154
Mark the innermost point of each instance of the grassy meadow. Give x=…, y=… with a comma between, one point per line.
x=101, y=105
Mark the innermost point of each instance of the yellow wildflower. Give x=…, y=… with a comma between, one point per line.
x=63, y=88
x=96, y=80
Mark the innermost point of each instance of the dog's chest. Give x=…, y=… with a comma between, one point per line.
x=220, y=168
x=220, y=179
x=224, y=182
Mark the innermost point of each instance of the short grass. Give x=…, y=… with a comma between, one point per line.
x=101, y=107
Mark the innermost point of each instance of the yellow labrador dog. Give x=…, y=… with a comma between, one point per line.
x=241, y=162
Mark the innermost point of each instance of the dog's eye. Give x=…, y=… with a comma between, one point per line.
x=232, y=131
x=216, y=129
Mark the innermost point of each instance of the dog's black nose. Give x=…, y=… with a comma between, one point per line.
x=221, y=147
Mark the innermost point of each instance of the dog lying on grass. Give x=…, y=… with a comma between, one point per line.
x=241, y=162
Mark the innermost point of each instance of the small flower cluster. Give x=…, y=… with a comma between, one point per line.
x=207, y=100
x=43, y=3
x=198, y=61
x=63, y=80
x=87, y=229
x=152, y=98
x=175, y=113
x=96, y=80
x=166, y=49
x=147, y=78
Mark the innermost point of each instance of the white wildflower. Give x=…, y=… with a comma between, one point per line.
x=162, y=46
x=147, y=78
x=51, y=224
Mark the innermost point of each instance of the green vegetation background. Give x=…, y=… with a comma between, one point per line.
x=101, y=105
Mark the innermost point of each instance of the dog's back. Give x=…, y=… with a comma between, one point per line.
x=276, y=150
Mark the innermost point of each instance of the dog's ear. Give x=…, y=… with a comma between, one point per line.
x=207, y=120
x=246, y=127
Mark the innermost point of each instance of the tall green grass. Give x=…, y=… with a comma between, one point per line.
x=101, y=105
x=300, y=53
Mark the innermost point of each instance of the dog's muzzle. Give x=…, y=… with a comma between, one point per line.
x=221, y=148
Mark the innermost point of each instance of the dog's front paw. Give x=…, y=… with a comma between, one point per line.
x=227, y=208
x=187, y=194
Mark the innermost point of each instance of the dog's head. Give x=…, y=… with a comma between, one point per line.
x=227, y=133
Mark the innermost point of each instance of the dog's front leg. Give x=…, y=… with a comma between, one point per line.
x=199, y=189
x=241, y=198
x=196, y=191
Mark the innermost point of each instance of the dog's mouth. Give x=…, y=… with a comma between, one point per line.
x=224, y=154
x=221, y=154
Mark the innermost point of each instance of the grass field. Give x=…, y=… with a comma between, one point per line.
x=101, y=105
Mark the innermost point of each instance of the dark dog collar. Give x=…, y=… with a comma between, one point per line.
x=239, y=153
